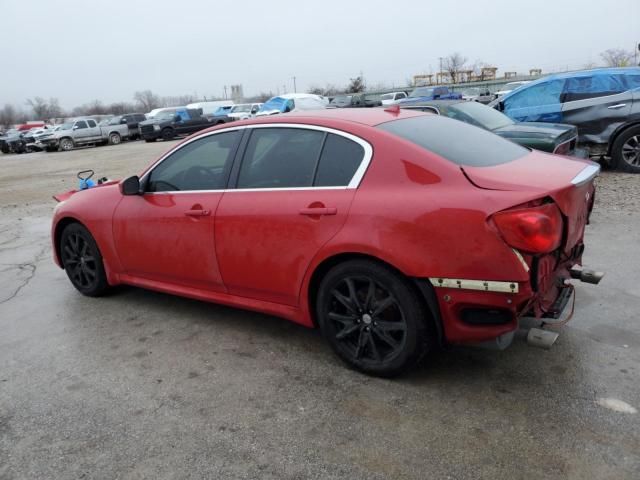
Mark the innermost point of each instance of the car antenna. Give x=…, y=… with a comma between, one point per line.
x=395, y=109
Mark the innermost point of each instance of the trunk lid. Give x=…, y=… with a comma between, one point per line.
x=569, y=182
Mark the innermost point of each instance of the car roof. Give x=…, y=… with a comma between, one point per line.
x=365, y=116
x=431, y=103
x=578, y=74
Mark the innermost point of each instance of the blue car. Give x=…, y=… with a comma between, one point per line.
x=603, y=103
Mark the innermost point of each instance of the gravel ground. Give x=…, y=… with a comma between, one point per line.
x=144, y=385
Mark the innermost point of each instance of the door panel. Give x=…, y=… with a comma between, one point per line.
x=265, y=239
x=169, y=237
x=597, y=118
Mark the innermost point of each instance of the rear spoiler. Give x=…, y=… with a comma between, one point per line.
x=586, y=174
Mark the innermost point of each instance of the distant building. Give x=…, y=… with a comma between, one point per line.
x=237, y=93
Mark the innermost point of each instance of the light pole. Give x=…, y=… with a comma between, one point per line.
x=295, y=90
x=439, y=76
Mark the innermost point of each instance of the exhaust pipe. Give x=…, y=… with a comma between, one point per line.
x=541, y=338
x=586, y=275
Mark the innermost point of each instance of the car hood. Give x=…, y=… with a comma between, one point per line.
x=537, y=129
x=154, y=121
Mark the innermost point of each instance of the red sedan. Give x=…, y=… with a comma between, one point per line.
x=392, y=231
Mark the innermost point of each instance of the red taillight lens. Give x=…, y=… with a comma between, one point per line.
x=531, y=230
x=563, y=149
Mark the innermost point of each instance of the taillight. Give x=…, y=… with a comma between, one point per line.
x=531, y=230
x=563, y=149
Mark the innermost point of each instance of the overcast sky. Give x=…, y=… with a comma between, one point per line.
x=78, y=50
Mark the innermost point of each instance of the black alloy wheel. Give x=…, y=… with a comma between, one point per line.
x=625, y=152
x=372, y=318
x=82, y=261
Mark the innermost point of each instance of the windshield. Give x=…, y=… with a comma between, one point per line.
x=422, y=92
x=241, y=108
x=275, y=103
x=478, y=114
x=165, y=114
x=342, y=99
x=66, y=126
x=451, y=139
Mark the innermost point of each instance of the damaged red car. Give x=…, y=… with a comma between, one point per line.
x=391, y=231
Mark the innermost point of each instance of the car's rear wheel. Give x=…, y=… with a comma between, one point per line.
x=373, y=318
x=168, y=134
x=625, y=153
x=66, y=144
x=114, y=138
x=150, y=140
x=82, y=260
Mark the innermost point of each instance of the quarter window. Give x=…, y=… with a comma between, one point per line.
x=280, y=158
x=203, y=164
x=339, y=161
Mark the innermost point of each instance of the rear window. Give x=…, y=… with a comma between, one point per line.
x=456, y=141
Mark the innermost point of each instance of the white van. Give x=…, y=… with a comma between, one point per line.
x=208, y=108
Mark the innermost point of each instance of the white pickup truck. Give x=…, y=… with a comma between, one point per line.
x=83, y=131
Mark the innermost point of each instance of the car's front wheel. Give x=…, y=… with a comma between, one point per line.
x=82, y=260
x=66, y=144
x=373, y=318
x=625, y=152
x=114, y=138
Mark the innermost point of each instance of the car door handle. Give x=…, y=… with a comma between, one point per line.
x=614, y=107
x=197, y=213
x=319, y=211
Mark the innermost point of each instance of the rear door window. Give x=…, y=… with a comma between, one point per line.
x=456, y=141
x=280, y=158
x=91, y=123
x=580, y=88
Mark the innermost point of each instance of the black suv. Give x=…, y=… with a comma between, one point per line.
x=603, y=103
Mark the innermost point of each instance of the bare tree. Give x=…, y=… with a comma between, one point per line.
x=120, y=108
x=147, y=100
x=40, y=107
x=8, y=115
x=617, y=57
x=328, y=90
x=55, y=111
x=356, y=85
x=452, y=64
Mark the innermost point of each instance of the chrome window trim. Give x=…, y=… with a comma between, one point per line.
x=353, y=183
x=586, y=174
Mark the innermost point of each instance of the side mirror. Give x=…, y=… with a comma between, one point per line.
x=130, y=186
x=75, y=127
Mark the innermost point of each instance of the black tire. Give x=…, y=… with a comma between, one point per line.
x=82, y=260
x=5, y=149
x=150, y=140
x=66, y=144
x=114, y=138
x=625, y=152
x=51, y=149
x=385, y=330
x=168, y=134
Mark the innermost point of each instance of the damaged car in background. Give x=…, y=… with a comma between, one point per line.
x=412, y=230
x=547, y=137
x=603, y=103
